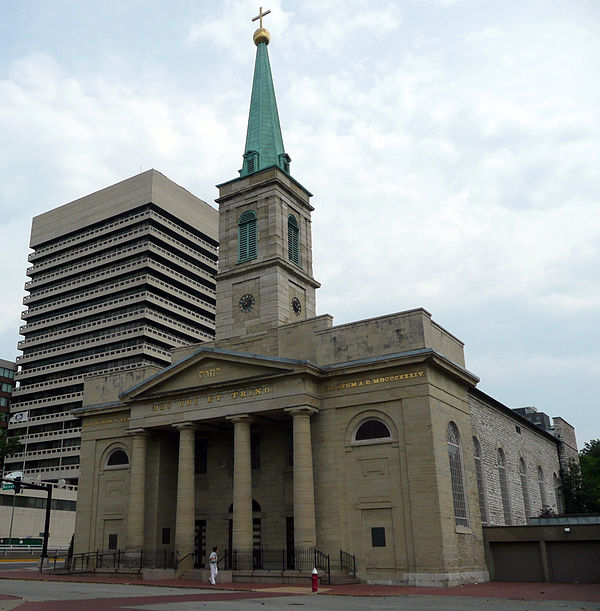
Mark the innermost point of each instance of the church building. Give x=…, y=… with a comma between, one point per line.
x=288, y=434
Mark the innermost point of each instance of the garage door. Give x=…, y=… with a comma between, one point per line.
x=574, y=561
x=518, y=561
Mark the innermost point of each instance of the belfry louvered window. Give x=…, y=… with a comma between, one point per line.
x=293, y=240
x=457, y=476
x=247, y=236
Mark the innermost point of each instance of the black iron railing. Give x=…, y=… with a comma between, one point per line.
x=120, y=559
x=277, y=559
x=348, y=563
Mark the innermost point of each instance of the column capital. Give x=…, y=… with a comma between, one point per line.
x=303, y=410
x=240, y=418
x=139, y=432
x=185, y=426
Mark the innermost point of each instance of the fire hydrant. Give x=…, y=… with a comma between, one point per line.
x=315, y=580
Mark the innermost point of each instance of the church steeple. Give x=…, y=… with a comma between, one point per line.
x=264, y=142
x=265, y=277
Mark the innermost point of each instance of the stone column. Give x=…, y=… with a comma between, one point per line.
x=242, y=483
x=137, y=491
x=305, y=534
x=186, y=496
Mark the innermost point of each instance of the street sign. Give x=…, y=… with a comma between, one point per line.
x=8, y=486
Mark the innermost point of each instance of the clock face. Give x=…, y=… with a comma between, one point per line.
x=246, y=302
x=296, y=306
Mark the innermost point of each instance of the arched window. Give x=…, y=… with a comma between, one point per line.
x=524, y=488
x=504, y=487
x=479, y=473
x=542, y=485
x=558, y=493
x=247, y=236
x=293, y=240
x=117, y=458
x=372, y=429
x=456, y=476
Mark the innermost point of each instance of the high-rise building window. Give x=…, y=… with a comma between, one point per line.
x=479, y=473
x=504, y=487
x=456, y=476
x=293, y=240
x=247, y=249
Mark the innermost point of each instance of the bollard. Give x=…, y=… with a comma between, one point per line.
x=315, y=580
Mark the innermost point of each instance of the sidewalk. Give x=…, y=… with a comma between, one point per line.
x=588, y=592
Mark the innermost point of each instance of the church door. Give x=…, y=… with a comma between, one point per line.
x=200, y=544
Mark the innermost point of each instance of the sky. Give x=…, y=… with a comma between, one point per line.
x=453, y=147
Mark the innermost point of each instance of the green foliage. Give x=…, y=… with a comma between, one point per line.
x=589, y=459
x=572, y=488
x=8, y=445
x=581, y=482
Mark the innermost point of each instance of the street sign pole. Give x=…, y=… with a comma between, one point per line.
x=46, y=525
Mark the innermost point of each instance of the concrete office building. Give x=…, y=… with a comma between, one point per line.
x=7, y=381
x=118, y=278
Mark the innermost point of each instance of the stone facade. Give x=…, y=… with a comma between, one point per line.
x=497, y=427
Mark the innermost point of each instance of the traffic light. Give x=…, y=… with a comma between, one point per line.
x=17, y=483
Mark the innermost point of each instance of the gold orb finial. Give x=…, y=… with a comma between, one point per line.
x=261, y=35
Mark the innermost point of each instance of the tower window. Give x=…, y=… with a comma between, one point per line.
x=293, y=240
x=247, y=236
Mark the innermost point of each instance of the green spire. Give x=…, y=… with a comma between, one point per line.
x=264, y=143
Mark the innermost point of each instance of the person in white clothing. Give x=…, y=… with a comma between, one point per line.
x=214, y=571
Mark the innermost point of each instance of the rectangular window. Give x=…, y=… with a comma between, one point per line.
x=201, y=456
x=518, y=428
x=112, y=541
x=166, y=536
x=255, y=450
x=378, y=536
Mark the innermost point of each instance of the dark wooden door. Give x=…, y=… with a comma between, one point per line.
x=200, y=544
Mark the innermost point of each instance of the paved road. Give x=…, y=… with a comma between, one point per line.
x=70, y=596
x=7, y=565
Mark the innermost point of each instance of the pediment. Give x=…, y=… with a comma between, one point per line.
x=208, y=369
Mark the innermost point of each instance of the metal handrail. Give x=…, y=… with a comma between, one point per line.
x=348, y=563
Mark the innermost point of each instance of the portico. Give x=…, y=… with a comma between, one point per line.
x=275, y=428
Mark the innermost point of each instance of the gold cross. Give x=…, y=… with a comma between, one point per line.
x=261, y=15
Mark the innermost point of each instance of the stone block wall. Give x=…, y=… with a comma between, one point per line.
x=496, y=428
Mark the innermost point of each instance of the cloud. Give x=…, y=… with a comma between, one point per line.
x=453, y=155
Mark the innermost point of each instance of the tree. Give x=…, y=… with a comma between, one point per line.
x=589, y=460
x=8, y=445
x=581, y=482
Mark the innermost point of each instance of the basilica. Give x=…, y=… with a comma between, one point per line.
x=289, y=435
